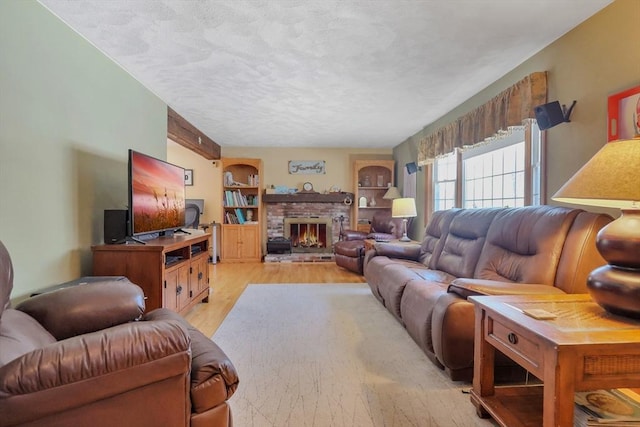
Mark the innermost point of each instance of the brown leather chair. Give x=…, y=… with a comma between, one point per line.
x=349, y=252
x=88, y=356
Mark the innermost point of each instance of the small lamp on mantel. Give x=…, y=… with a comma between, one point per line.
x=612, y=179
x=392, y=193
x=404, y=207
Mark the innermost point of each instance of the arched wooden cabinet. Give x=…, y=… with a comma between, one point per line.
x=372, y=179
x=242, y=210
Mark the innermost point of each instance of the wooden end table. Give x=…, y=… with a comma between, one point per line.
x=583, y=348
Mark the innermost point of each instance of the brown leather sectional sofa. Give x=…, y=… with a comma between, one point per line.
x=529, y=250
x=89, y=356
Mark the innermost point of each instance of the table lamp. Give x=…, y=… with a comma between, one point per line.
x=404, y=207
x=612, y=179
x=392, y=193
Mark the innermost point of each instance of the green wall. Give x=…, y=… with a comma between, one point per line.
x=598, y=58
x=68, y=115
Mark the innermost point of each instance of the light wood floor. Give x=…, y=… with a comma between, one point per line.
x=228, y=281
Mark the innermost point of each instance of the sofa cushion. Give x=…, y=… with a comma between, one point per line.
x=433, y=240
x=391, y=291
x=20, y=334
x=386, y=226
x=579, y=254
x=350, y=248
x=416, y=307
x=471, y=287
x=464, y=242
x=433, y=275
x=524, y=244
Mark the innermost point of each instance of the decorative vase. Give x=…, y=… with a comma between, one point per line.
x=372, y=203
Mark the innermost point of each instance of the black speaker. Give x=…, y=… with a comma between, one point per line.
x=549, y=115
x=115, y=226
x=412, y=168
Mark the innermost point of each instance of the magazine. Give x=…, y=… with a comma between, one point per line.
x=615, y=407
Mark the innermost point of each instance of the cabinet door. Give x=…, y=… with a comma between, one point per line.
x=182, y=291
x=249, y=243
x=199, y=275
x=230, y=242
x=176, y=292
x=169, y=294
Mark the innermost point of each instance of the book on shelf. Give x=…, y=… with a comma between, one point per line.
x=236, y=198
x=254, y=180
x=613, y=407
x=231, y=218
x=240, y=216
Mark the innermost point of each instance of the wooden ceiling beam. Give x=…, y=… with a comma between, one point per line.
x=184, y=133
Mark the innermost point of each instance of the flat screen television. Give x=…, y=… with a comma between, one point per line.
x=156, y=195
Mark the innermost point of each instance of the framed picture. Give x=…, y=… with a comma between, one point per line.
x=624, y=115
x=188, y=177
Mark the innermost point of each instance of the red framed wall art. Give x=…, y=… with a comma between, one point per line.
x=624, y=115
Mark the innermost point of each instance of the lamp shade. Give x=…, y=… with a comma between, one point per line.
x=610, y=179
x=404, y=208
x=392, y=193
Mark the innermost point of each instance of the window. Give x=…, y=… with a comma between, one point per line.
x=503, y=173
x=444, y=183
x=494, y=179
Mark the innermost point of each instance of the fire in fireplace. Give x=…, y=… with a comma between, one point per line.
x=309, y=234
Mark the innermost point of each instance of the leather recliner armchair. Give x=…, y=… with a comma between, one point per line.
x=88, y=356
x=349, y=252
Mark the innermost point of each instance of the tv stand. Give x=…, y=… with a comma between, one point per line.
x=182, y=230
x=172, y=271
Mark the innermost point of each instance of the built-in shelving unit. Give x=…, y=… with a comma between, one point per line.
x=242, y=210
x=372, y=179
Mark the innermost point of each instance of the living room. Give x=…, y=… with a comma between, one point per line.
x=69, y=114
x=74, y=114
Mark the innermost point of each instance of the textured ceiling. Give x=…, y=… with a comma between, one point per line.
x=319, y=73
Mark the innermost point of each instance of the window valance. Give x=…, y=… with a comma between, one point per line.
x=512, y=107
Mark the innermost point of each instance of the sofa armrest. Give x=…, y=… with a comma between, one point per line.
x=214, y=379
x=87, y=308
x=86, y=369
x=378, y=236
x=353, y=235
x=398, y=250
x=472, y=287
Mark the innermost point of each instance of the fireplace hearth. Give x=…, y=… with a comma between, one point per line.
x=309, y=234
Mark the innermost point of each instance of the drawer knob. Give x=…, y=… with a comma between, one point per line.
x=513, y=338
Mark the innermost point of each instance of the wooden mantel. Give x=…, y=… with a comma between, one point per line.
x=342, y=197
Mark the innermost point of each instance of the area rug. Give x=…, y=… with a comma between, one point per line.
x=331, y=355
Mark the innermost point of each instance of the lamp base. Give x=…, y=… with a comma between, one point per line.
x=404, y=237
x=616, y=286
x=617, y=290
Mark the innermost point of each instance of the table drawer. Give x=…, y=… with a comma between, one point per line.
x=520, y=347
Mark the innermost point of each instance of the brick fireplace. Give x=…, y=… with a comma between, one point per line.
x=310, y=220
x=309, y=234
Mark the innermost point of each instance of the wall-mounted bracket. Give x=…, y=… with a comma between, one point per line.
x=567, y=112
